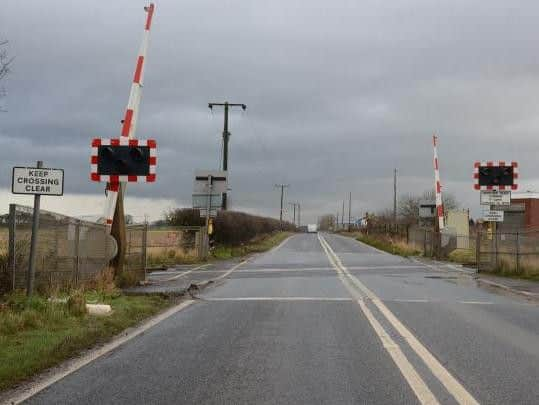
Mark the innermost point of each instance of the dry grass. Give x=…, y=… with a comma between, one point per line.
x=393, y=246
x=4, y=241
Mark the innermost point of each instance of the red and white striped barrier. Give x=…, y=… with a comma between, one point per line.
x=438, y=186
x=498, y=163
x=114, y=179
x=129, y=123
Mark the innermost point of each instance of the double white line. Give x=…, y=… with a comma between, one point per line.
x=420, y=388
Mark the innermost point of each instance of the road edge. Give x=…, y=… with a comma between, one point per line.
x=51, y=376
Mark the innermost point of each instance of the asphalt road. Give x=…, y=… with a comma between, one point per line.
x=323, y=319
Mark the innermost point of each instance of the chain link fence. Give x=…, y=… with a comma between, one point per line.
x=70, y=252
x=73, y=252
x=167, y=246
x=509, y=252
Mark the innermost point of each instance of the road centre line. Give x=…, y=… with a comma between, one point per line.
x=414, y=380
x=461, y=395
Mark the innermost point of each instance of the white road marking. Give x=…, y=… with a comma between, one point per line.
x=278, y=299
x=187, y=272
x=476, y=302
x=276, y=248
x=461, y=395
x=95, y=354
x=420, y=388
x=231, y=270
x=408, y=300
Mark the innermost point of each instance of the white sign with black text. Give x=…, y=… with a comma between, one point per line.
x=33, y=180
x=495, y=197
x=492, y=215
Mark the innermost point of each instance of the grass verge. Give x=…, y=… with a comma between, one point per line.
x=260, y=244
x=36, y=334
x=396, y=248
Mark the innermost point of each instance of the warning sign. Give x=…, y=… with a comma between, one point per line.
x=34, y=180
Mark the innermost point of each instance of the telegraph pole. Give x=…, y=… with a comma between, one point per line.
x=226, y=136
x=299, y=215
x=395, y=196
x=282, y=187
x=342, y=215
x=294, y=205
x=349, y=211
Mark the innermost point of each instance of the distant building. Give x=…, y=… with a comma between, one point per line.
x=523, y=213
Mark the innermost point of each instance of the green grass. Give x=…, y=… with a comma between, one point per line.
x=400, y=249
x=261, y=244
x=36, y=334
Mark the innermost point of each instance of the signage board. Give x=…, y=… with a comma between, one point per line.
x=201, y=201
x=427, y=209
x=37, y=181
x=218, y=181
x=203, y=212
x=495, y=197
x=493, y=215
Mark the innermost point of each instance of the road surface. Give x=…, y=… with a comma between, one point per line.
x=323, y=319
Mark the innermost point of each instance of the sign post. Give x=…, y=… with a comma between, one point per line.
x=37, y=181
x=33, y=243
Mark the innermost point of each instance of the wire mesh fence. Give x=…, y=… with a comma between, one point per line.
x=510, y=252
x=507, y=252
x=73, y=252
x=69, y=251
x=167, y=246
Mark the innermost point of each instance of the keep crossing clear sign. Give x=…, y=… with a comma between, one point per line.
x=37, y=180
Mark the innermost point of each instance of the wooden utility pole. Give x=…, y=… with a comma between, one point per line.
x=226, y=136
x=395, y=196
x=282, y=187
x=294, y=207
x=349, y=211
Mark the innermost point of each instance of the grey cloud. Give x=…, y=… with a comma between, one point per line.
x=338, y=93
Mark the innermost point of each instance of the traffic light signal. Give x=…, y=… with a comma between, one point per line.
x=120, y=160
x=499, y=176
x=123, y=160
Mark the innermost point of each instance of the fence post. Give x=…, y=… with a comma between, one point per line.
x=407, y=234
x=12, y=251
x=518, y=252
x=425, y=242
x=144, y=247
x=77, y=252
x=478, y=249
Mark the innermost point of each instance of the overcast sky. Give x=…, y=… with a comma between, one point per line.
x=338, y=94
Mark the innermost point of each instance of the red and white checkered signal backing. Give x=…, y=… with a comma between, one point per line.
x=495, y=164
x=114, y=179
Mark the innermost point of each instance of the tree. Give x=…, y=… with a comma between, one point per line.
x=5, y=62
x=409, y=204
x=326, y=222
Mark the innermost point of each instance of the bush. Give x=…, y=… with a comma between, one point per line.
x=184, y=217
x=234, y=228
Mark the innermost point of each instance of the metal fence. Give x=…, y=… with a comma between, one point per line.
x=69, y=251
x=509, y=252
x=72, y=252
x=172, y=245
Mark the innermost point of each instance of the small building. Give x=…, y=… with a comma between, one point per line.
x=523, y=213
